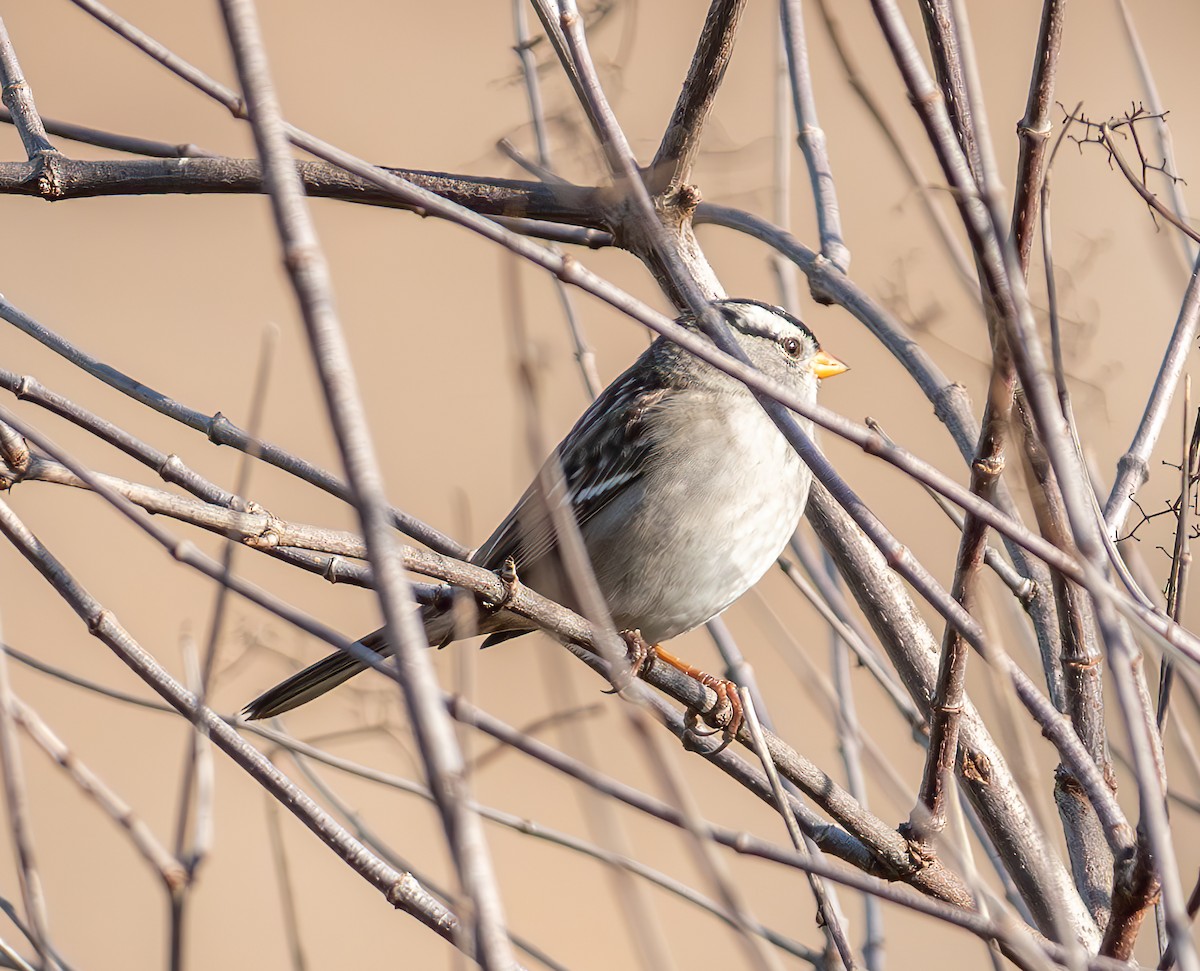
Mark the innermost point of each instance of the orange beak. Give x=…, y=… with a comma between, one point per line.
x=825, y=365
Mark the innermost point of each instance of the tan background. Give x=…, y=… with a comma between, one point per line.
x=178, y=291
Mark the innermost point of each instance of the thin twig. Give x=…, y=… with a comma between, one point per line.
x=16, y=804
x=1181, y=557
x=1133, y=468
x=781, y=176
x=584, y=355
x=835, y=612
x=964, y=271
x=827, y=917
x=111, y=140
x=945, y=711
x=283, y=879
x=400, y=889
x=18, y=98
x=850, y=742
x=164, y=864
x=1162, y=131
x=811, y=138
x=1022, y=587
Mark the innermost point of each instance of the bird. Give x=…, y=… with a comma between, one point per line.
x=683, y=489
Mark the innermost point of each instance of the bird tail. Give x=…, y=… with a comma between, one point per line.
x=305, y=685
x=340, y=666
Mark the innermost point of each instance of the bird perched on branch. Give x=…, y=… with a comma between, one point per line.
x=683, y=490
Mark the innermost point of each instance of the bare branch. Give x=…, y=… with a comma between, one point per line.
x=965, y=272
x=118, y=143
x=218, y=429
x=1133, y=468
x=18, y=98
x=811, y=138
x=1162, y=131
x=16, y=804
x=929, y=817
x=828, y=916
x=672, y=165
x=1035, y=127
x=310, y=278
x=57, y=178
x=145, y=842
x=400, y=889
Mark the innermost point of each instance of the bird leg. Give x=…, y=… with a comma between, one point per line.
x=643, y=655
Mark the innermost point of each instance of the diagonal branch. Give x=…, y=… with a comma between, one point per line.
x=887, y=851
x=18, y=99
x=400, y=889
x=1005, y=286
x=1035, y=127
x=811, y=138
x=310, y=277
x=672, y=165
x=929, y=816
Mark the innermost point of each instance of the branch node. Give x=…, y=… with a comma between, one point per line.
x=897, y=556
x=990, y=466
x=215, y=425
x=99, y=620
x=684, y=199
x=49, y=180
x=976, y=767
x=14, y=452
x=332, y=571
x=268, y=538
x=171, y=469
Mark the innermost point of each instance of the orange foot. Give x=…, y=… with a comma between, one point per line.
x=642, y=655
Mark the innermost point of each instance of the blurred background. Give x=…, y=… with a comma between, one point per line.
x=179, y=292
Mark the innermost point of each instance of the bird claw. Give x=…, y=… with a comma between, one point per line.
x=507, y=575
x=727, y=713
x=640, y=656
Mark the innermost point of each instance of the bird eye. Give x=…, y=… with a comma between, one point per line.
x=792, y=346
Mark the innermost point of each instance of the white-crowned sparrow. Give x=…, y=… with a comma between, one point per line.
x=684, y=491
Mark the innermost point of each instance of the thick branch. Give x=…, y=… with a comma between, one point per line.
x=56, y=178
x=1035, y=127
x=983, y=773
x=672, y=165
